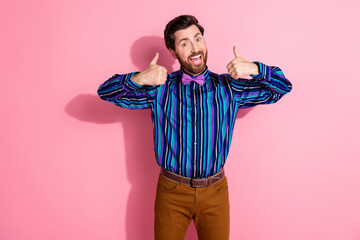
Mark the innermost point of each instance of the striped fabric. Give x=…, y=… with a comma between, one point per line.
x=193, y=124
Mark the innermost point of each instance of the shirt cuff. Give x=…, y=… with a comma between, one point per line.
x=131, y=85
x=264, y=71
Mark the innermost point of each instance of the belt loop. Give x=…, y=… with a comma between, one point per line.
x=182, y=177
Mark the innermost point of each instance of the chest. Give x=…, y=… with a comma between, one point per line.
x=191, y=101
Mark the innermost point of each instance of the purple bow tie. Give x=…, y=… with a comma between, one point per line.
x=198, y=79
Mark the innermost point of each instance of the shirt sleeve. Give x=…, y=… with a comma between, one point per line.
x=123, y=92
x=264, y=88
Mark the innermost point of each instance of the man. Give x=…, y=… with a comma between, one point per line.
x=193, y=111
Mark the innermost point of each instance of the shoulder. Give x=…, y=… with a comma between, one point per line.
x=174, y=75
x=220, y=79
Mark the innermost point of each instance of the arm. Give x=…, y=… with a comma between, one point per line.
x=265, y=88
x=134, y=90
x=124, y=92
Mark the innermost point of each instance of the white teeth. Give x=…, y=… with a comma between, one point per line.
x=196, y=56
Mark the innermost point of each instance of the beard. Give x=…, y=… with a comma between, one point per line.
x=191, y=68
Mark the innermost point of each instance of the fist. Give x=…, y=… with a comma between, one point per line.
x=239, y=67
x=153, y=75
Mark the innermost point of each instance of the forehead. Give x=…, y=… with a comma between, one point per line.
x=187, y=33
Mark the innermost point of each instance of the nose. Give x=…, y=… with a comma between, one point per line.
x=195, y=47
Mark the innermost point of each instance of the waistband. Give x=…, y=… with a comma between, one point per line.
x=194, y=182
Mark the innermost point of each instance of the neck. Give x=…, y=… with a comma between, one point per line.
x=192, y=74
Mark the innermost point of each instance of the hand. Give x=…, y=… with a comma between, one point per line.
x=239, y=67
x=153, y=75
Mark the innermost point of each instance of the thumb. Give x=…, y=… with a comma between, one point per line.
x=155, y=59
x=236, y=52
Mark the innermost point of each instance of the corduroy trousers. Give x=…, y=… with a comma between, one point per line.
x=177, y=204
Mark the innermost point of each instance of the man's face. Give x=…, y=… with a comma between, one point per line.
x=190, y=50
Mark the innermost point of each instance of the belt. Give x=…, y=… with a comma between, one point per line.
x=193, y=182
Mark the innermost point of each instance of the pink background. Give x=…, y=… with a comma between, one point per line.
x=75, y=167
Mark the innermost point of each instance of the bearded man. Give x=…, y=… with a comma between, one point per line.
x=193, y=112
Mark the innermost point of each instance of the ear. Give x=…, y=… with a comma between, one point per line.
x=173, y=53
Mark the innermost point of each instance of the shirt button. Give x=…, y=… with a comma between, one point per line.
x=195, y=123
x=195, y=143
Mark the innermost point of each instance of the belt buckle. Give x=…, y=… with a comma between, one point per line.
x=192, y=185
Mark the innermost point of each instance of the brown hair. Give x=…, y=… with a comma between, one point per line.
x=179, y=23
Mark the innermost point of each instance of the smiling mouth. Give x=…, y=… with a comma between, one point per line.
x=197, y=59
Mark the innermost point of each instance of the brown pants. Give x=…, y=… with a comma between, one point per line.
x=177, y=204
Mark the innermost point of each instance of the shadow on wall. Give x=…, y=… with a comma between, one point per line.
x=144, y=49
x=142, y=170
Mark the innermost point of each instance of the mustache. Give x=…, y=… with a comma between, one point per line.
x=195, y=54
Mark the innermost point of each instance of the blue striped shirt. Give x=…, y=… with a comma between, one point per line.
x=193, y=124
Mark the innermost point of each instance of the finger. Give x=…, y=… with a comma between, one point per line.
x=230, y=65
x=236, y=52
x=155, y=59
x=163, y=80
x=232, y=72
x=234, y=75
x=163, y=77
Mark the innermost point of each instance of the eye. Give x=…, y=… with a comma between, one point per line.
x=184, y=44
x=198, y=39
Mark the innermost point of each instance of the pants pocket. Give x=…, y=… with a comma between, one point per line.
x=167, y=185
x=220, y=186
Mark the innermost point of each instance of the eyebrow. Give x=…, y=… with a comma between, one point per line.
x=184, y=39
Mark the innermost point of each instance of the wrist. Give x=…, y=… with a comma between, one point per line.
x=136, y=78
x=255, y=69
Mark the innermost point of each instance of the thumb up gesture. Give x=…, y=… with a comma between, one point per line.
x=153, y=75
x=239, y=67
